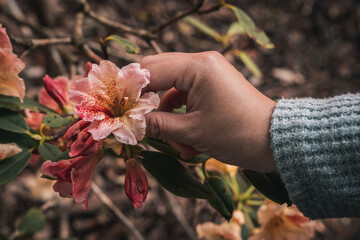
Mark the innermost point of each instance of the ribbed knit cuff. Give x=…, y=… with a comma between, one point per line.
x=316, y=146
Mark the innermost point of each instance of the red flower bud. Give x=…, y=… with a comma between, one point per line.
x=136, y=184
x=80, y=141
x=57, y=89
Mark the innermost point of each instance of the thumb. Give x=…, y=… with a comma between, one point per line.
x=169, y=126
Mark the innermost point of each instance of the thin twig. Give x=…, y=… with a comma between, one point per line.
x=107, y=201
x=78, y=38
x=197, y=5
x=33, y=42
x=116, y=25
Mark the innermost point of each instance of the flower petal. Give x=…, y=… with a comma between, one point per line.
x=45, y=99
x=131, y=131
x=102, y=129
x=146, y=104
x=133, y=79
x=8, y=149
x=4, y=39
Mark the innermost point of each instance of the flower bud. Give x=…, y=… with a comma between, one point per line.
x=80, y=141
x=56, y=90
x=136, y=184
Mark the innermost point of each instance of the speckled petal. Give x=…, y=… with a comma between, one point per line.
x=102, y=129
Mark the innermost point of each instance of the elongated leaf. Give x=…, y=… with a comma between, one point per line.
x=204, y=28
x=14, y=103
x=162, y=146
x=22, y=140
x=253, y=32
x=12, y=166
x=55, y=120
x=33, y=221
x=173, y=176
x=223, y=200
x=269, y=185
x=51, y=152
x=12, y=121
x=235, y=28
x=249, y=63
x=130, y=47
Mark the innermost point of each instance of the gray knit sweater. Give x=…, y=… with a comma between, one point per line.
x=316, y=146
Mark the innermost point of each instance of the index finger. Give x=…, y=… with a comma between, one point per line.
x=168, y=70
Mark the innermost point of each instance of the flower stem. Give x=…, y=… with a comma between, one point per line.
x=204, y=171
x=128, y=151
x=248, y=219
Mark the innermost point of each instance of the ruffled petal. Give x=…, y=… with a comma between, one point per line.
x=146, y=104
x=133, y=79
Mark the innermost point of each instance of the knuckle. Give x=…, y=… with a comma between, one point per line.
x=155, y=126
x=210, y=57
x=144, y=61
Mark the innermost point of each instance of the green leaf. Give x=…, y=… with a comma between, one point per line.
x=235, y=28
x=55, y=120
x=173, y=176
x=252, y=31
x=51, y=152
x=14, y=103
x=130, y=47
x=204, y=28
x=33, y=221
x=269, y=185
x=244, y=232
x=223, y=200
x=249, y=63
x=12, y=121
x=201, y=158
x=22, y=140
x=12, y=166
x=161, y=146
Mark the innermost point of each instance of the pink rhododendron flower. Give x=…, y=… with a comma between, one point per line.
x=54, y=95
x=74, y=176
x=8, y=149
x=111, y=99
x=227, y=230
x=33, y=118
x=10, y=67
x=136, y=184
x=282, y=222
x=80, y=141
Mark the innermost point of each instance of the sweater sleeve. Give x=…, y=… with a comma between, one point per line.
x=316, y=147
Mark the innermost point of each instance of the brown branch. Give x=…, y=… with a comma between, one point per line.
x=33, y=43
x=107, y=201
x=197, y=5
x=142, y=33
x=78, y=38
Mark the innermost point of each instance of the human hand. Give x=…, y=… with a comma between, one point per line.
x=226, y=117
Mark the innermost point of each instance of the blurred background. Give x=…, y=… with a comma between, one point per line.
x=316, y=54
